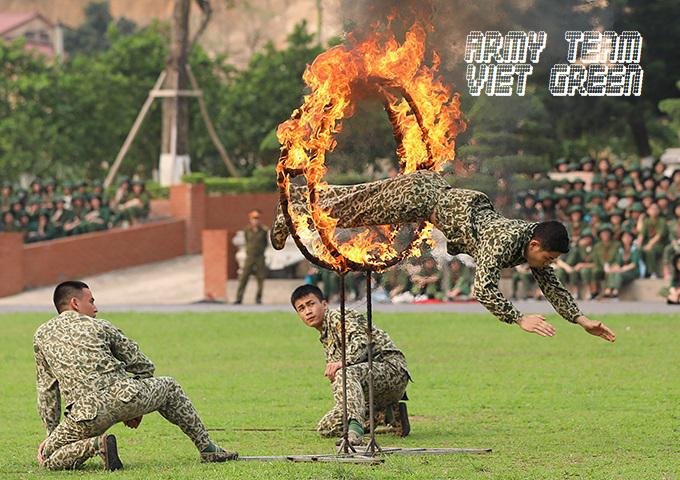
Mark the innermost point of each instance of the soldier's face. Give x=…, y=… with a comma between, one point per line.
x=311, y=310
x=85, y=305
x=539, y=258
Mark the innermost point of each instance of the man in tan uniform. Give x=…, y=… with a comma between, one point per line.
x=86, y=361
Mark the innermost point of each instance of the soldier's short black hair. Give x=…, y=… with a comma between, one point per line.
x=552, y=236
x=65, y=291
x=303, y=291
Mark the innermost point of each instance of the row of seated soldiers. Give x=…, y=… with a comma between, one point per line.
x=417, y=279
x=49, y=210
x=624, y=227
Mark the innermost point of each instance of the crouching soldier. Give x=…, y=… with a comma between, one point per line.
x=390, y=374
x=85, y=362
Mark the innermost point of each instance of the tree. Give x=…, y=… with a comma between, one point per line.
x=509, y=139
x=91, y=36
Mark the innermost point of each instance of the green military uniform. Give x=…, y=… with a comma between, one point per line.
x=616, y=280
x=604, y=253
x=96, y=219
x=467, y=219
x=521, y=276
x=650, y=228
x=390, y=373
x=394, y=280
x=430, y=289
x=256, y=244
x=462, y=279
x=85, y=362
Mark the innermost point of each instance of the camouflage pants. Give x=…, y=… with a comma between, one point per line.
x=75, y=441
x=389, y=384
x=252, y=265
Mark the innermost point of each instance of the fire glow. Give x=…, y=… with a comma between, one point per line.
x=425, y=117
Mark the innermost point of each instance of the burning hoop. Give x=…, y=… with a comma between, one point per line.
x=425, y=117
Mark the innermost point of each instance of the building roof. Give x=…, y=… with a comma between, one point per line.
x=10, y=21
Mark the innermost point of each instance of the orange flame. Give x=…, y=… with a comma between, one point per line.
x=424, y=113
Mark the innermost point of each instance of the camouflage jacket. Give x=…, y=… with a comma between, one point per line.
x=495, y=242
x=357, y=340
x=77, y=356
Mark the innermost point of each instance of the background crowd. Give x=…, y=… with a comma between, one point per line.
x=48, y=210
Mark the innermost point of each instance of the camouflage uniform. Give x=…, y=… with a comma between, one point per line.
x=256, y=244
x=390, y=374
x=85, y=362
x=467, y=219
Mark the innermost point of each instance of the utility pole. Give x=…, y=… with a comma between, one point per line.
x=174, y=158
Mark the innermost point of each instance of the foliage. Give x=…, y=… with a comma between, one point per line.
x=91, y=36
x=671, y=107
x=571, y=406
x=262, y=180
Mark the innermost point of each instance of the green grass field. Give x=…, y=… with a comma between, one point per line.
x=566, y=407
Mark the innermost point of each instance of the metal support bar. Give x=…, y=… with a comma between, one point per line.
x=175, y=93
x=344, y=446
x=133, y=131
x=372, y=448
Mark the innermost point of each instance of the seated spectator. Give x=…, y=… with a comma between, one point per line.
x=9, y=223
x=522, y=277
x=674, y=288
x=42, y=229
x=652, y=239
x=395, y=281
x=426, y=282
x=624, y=268
x=97, y=218
x=604, y=253
x=461, y=280
x=584, y=264
x=673, y=247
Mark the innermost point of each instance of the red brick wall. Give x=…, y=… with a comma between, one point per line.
x=47, y=263
x=12, y=261
x=230, y=211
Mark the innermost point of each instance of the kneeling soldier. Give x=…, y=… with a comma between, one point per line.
x=85, y=361
x=390, y=374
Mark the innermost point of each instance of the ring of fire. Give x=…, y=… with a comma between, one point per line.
x=425, y=117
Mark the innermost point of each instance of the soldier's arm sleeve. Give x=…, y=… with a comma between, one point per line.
x=487, y=278
x=49, y=398
x=128, y=352
x=357, y=340
x=557, y=295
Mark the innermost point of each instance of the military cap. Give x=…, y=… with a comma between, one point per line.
x=637, y=207
x=647, y=193
x=543, y=195
x=579, y=180
x=627, y=182
x=618, y=165
x=572, y=166
x=576, y=193
x=34, y=200
x=58, y=198
x=575, y=208
x=597, y=212
x=605, y=226
x=617, y=212
x=561, y=161
x=585, y=160
x=586, y=232
x=595, y=194
x=611, y=176
x=597, y=179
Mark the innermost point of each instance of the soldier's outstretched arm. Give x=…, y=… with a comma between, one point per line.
x=487, y=278
x=558, y=296
x=49, y=397
x=128, y=352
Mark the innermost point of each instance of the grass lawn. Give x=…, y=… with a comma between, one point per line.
x=566, y=407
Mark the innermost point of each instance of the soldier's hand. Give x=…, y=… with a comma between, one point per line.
x=596, y=328
x=536, y=324
x=41, y=459
x=133, y=422
x=331, y=370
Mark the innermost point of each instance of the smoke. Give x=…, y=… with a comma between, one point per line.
x=454, y=19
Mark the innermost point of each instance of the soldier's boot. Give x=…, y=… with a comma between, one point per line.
x=108, y=449
x=219, y=455
x=402, y=426
x=279, y=232
x=353, y=437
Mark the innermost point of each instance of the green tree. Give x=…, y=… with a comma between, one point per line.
x=91, y=36
x=509, y=139
x=257, y=99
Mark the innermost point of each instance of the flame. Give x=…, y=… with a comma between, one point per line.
x=424, y=113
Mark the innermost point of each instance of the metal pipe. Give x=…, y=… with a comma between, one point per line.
x=372, y=445
x=345, y=420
